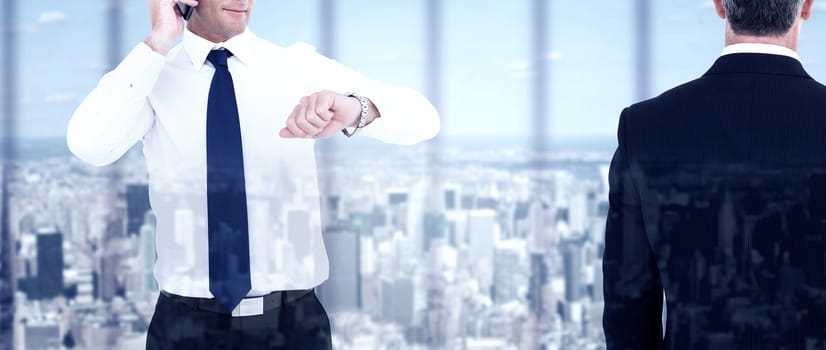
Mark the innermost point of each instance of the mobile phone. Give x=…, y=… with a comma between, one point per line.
x=186, y=10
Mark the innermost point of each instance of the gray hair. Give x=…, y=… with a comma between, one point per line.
x=762, y=17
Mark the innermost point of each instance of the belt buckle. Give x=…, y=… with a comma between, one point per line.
x=249, y=307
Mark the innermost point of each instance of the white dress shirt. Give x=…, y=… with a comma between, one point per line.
x=760, y=48
x=162, y=101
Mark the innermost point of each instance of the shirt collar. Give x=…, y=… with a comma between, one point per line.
x=198, y=48
x=760, y=48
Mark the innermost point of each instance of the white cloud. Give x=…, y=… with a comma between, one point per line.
x=706, y=5
x=520, y=70
x=51, y=17
x=522, y=66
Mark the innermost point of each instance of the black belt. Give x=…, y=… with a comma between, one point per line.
x=249, y=306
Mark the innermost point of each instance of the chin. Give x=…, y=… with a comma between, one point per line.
x=235, y=30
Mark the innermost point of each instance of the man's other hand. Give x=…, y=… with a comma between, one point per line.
x=167, y=24
x=323, y=114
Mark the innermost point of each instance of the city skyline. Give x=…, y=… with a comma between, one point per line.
x=497, y=251
x=418, y=275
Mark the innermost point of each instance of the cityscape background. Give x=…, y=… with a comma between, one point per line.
x=488, y=237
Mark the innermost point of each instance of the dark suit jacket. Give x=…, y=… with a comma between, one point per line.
x=718, y=200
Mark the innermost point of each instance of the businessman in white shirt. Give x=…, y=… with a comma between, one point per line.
x=228, y=123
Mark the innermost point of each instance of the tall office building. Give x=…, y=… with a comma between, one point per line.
x=540, y=220
x=487, y=202
x=578, y=213
x=435, y=227
x=598, y=287
x=572, y=265
x=342, y=290
x=508, y=278
x=42, y=335
x=49, y=280
x=107, y=278
x=137, y=204
x=481, y=235
x=397, y=300
x=110, y=281
x=298, y=224
x=147, y=256
x=85, y=286
x=333, y=209
x=538, y=279
x=451, y=197
x=467, y=201
x=436, y=315
x=397, y=204
x=397, y=196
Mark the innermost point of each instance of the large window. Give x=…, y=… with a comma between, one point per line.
x=498, y=251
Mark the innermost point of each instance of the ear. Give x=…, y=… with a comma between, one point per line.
x=806, y=9
x=718, y=6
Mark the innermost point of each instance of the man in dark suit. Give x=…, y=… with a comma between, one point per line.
x=718, y=200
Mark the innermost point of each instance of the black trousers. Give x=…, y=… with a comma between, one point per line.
x=298, y=324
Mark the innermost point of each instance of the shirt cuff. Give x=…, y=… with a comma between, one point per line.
x=405, y=116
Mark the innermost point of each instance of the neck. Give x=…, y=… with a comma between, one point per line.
x=211, y=36
x=788, y=40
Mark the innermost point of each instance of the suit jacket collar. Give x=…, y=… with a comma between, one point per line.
x=759, y=63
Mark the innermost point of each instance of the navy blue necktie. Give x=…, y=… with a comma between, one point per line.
x=229, y=255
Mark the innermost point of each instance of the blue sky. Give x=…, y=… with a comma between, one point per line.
x=486, y=54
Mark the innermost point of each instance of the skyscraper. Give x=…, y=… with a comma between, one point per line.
x=298, y=224
x=507, y=276
x=598, y=286
x=578, y=212
x=342, y=290
x=538, y=279
x=137, y=204
x=49, y=264
x=481, y=232
x=42, y=335
x=451, y=198
x=397, y=196
x=397, y=300
x=572, y=264
x=435, y=227
x=147, y=256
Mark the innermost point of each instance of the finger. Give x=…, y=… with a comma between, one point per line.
x=291, y=122
x=312, y=116
x=177, y=11
x=333, y=128
x=315, y=120
x=324, y=107
x=304, y=124
x=286, y=133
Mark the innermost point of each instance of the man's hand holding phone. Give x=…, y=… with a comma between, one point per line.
x=167, y=23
